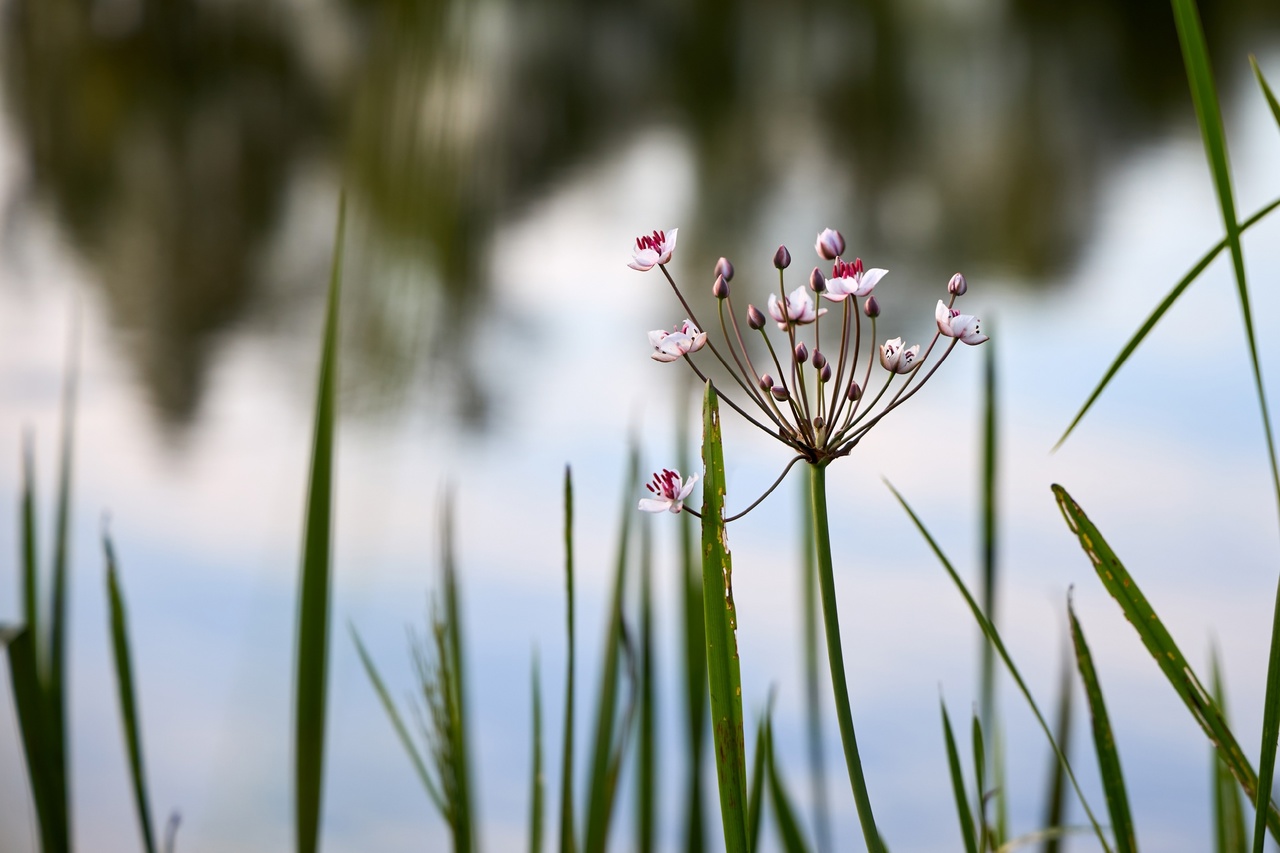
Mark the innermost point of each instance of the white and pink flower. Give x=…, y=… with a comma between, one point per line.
x=670, y=346
x=799, y=309
x=670, y=490
x=896, y=358
x=653, y=249
x=851, y=280
x=953, y=324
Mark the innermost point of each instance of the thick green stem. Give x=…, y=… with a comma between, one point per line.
x=835, y=654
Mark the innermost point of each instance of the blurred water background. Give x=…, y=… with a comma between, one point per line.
x=170, y=169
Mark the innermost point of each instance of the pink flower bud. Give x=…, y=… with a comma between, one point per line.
x=720, y=290
x=766, y=382
x=755, y=318
x=824, y=372
x=818, y=422
x=780, y=393
x=782, y=258
x=854, y=391
x=957, y=286
x=871, y=307
x=817, y=281
x=830, y=244
x=819, y=360
x=724, y=268
x=802, y=353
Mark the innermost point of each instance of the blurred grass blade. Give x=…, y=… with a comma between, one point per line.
x=537, y=783
x=957, y=785
x=1104, y=742
x=397, y=722
x=128, y=699
x=1056, y=795
x=567, y=837
x=600, y=790
x=30, y=573
x=812, y=687
x=646, y=766
x=695, y=651
x=994, y=637
x=1195, y=55
x=453, y=684
x=724, y=675
x=755, y=787
x=783, y=810
x=1159, y=312
x=312, y=650
x=985, y=835
x=990, y=584
x=835, y=657
x=1228, y=812
x=1266, y=90
x=1160, y=644
x=28, y=699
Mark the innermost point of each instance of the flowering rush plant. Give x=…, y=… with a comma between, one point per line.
x=817, y=395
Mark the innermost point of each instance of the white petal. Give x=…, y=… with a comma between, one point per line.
x=660, y=355
x=838, y=289
x=651, y=505
x=775, y=311
x=870, y=279
x=688, y=487
x=699, y=340
x=656, y=337
x=970, y=332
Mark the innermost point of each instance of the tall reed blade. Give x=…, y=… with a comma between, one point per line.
x=1266, y=90
x=998, y=644
x=451, y=684
x=812, y=688
x=835, y=657
x=723, y=672
x=128, y=699
x=600, y=793
x=990, y=584
x=1230, y=834
x=695, y=654
x=1056, y=796
x=1160, y=644
x=646, y=766
x=567, y=837
x=537, y=782
x=1104, y=742
x=963, y=809
x=755, y=786
x=28, y=699
x=312, y=650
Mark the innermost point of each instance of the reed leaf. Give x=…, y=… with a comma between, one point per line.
x=784, y=812
x=755, y=787
x=1266, y=90
x=537, y=782
x=1230, y=834
x=29, y=699
x=1122, y=587
x=963, y=809
x=646, y=766
x=1104, y=743
x=695, y=653
x=312, y=672
x=568, y=843
x=128, y=699
x=994, y=637
x=1056, y=793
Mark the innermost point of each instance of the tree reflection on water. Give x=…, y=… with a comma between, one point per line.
x=164, y=136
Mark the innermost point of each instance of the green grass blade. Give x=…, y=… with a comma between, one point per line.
x=990, y=584
x=128, y=699
x=1056, y=795
x=454, y=684
x=397, y=722
x=755, y=787
x=1228, y=812
x=312, y=673
x=537, y=782
x=812, y=686
x=835, y=657
x=646, y=766
x=695, y=654
x=30, y=573
x=985, y=835
x=1266, y=90
x=567, y=837
x=724, y=676
x=1160, y=644
x=957, y=785
x=28, y=699
x=1104, y=743
x=783, y=810
x=1195, y=55
x=1154, y=317
x=601, y=790
x=994, y=637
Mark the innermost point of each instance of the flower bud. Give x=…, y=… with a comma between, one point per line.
x=824, y=372
x=802, y=353
x=817, y=281
x=766, y=382
x=782, y=258
x=721, y=288
x=818, y=422
x=871, y=307
x=724, y=268
x=854, y=391
x=830, y=244
x=819, y=360
x=755, y=319
x=780, y=393
x=957, y=286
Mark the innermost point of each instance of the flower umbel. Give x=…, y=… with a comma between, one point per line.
x=670, y=490
x=653, y=249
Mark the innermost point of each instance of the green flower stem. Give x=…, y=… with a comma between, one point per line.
x=835, y=654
